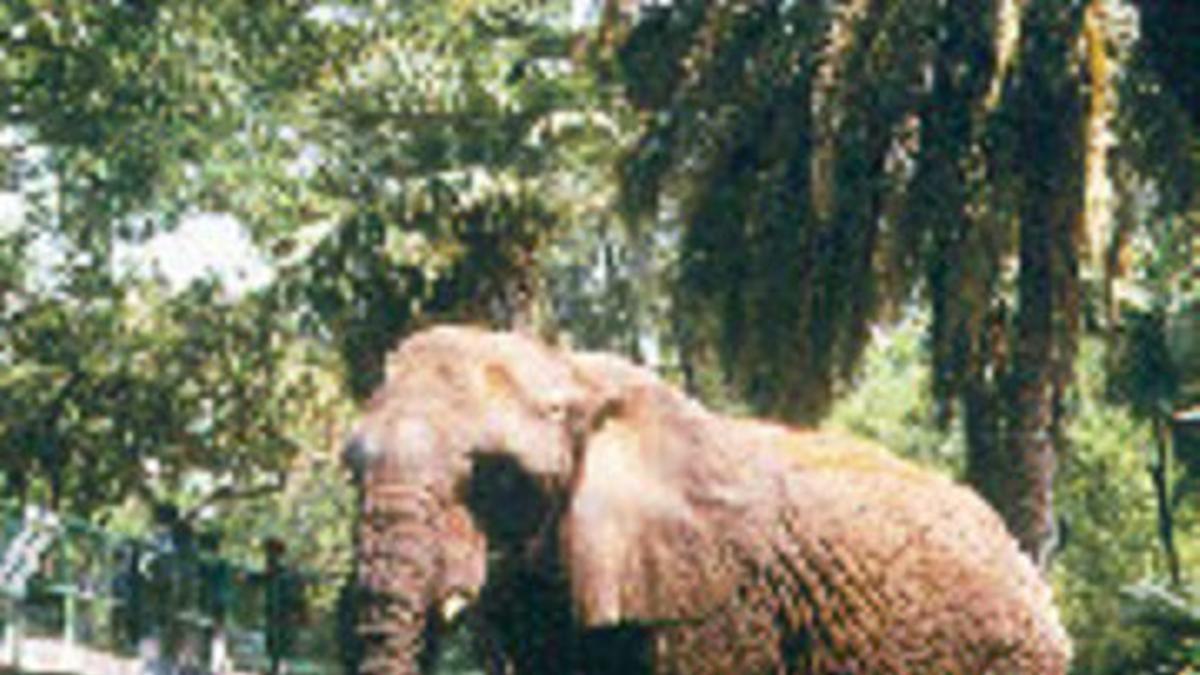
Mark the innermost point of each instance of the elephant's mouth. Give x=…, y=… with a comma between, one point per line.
x=447, y=631
x=452, y=608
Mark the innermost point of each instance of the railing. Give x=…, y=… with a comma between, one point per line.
x=75, y=599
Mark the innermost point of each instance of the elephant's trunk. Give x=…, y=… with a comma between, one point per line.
x=397, y=565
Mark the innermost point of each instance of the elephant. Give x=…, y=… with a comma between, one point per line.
x=585, y=516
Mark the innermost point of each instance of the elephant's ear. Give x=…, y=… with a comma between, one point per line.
x=647, y=534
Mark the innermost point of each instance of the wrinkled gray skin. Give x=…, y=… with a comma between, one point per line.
x=588, y=518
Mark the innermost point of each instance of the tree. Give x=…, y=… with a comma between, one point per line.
x=115, y=386
x=1169, y=26
x=826, y=163
x=454, y=146
x=130, y=395
x=394, y=167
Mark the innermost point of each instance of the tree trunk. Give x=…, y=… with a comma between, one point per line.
x=987, y=465
x=1160, y=473
x=1026, y=490
x=1013, y=417
x=1048, y=119
x=1026, y=498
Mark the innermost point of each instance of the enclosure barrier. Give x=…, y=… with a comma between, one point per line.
x=76, y=599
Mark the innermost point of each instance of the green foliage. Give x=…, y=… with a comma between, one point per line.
x=1172, y=619
x=890, y=401
x=1145, y=376
x=1106, y=500
x=453, y=145
x=1107, y=503
x=396, y=165
x=112, y=386
x=133, y=97
x=312, y=515
x=127, y=393
x=1167, y=23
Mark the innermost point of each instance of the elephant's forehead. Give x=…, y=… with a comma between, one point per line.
x=459, y=345
x=466, y=360
x=429, y=351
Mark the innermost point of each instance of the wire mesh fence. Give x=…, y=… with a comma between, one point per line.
x=75, y=599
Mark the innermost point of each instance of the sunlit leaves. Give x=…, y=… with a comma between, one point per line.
x=448, y=147
x=125, y=396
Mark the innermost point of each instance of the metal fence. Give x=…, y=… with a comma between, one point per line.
x=75, y=599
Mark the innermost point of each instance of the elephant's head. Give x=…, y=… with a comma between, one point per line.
x=483, y=449
x=465, y=449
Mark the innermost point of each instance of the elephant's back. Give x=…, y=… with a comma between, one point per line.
x=822, y=450
x=916, y=567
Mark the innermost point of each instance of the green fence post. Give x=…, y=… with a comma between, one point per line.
x=12, y=527
x=13, y=632
x=276, y=629
x=216, y=588
x=19, y=634
x=68, y=590
x=26, y=538
x=7, y=599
